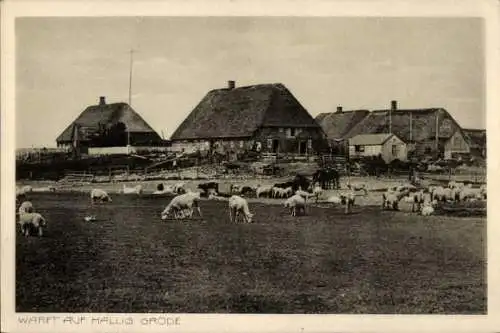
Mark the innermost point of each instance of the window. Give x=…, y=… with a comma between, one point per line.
x=394, y=150
x=292, y=132
x=241, y=144
x=359, y=149
x=269, y=143
x=288, y=132
x=231, y=144
x=281, y=129
x=309, y=144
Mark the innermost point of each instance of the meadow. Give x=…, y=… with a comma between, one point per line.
x=129, y=260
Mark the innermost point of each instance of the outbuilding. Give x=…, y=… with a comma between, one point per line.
x=389, y=146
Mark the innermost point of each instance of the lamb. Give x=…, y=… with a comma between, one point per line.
x=237, y=206
x=428, y=208
x=32, y=221
x=266, y=189
x=99, y=195
x=295, y=202
x=182, y=205
x=132, y=190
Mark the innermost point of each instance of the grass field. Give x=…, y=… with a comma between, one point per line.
x=129, y=260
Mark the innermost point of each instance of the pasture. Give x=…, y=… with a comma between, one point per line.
x=129, y=260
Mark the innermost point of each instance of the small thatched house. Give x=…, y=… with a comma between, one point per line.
x=386, y=145
x=108, y=125
x=425, y=131
x=264, y=117
x=337, y=125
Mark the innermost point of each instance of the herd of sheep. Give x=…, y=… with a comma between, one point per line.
x=185, y=202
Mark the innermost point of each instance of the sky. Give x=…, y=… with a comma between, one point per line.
x=63, y=65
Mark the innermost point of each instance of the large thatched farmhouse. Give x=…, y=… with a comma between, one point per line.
x=424, y=131
x=105, y=128
x=264, y=117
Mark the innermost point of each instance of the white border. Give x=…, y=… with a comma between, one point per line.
x=488, y=9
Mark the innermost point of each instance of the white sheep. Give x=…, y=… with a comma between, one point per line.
x=347, y=198
x=304, y=194
x=99, y=195
x=391, y=199
x=237, y=206
x=266, y=189
x=470, y=193
x=132, y=190
x=428, y=207
x=357, y=187
x=179, y=188
x=317, y=192
x=44, y=189
x=295, y=202
x=182, y=205
x=416, y=200
x=32, y=221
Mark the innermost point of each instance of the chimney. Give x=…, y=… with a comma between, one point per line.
x=231, y=84
x=394, y=105
x=102, y=100
x=339, y=109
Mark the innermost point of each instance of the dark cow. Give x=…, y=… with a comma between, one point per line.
x=209, y=187
x=328, y=178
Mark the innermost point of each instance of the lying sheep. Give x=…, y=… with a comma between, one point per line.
x=132, y=190
x=295, y=202
x=237, y=206
x=357, y=187
x=32, y=222
x=98, y=195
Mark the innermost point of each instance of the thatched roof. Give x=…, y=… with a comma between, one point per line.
x=106, y=115
x=239, y=112
x=337, y=124
x=370, y=139
x=423, y=124
x=475, y=137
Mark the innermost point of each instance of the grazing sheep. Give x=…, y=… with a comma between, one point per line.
x=392, y=198
x=32, y=222
x=210, y=187
x=26, y=207
x=295, y=202
x=216, y=197
x=132, y=190
x=237, y=206
x=334, y=199
x=439, y=194
x=182, y=205
x=266, y=189
x=346, y=199
x=98, y=195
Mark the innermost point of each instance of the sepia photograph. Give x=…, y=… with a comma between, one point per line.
x=250, y=165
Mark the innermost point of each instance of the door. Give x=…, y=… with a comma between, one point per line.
x=276, y=145
x=302, y=147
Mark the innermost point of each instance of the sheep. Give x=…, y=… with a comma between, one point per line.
x=287, y=192
x=44, y=189
x=428, y=207
x=391, y=198
x=482, y=191
x=211, y=187
x=26, y=207
x=416, y=199
x=357, y=187
x=27, y=189
x=295, y=202
x=99, y=195
x=470, y=193
x=346, y=199
x=304, y=194
x=439, y=193
x=237, y=206
x=182, y=205
x=235, y=189
x=132, y=190
x=215, y=197
x=266, y=189
x=32, y=221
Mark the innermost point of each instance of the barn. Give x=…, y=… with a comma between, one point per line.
x=108, y=128
x=476, y=138
x=386, y=145
x=265, y=118
x=425, y=131
x=337, y=124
